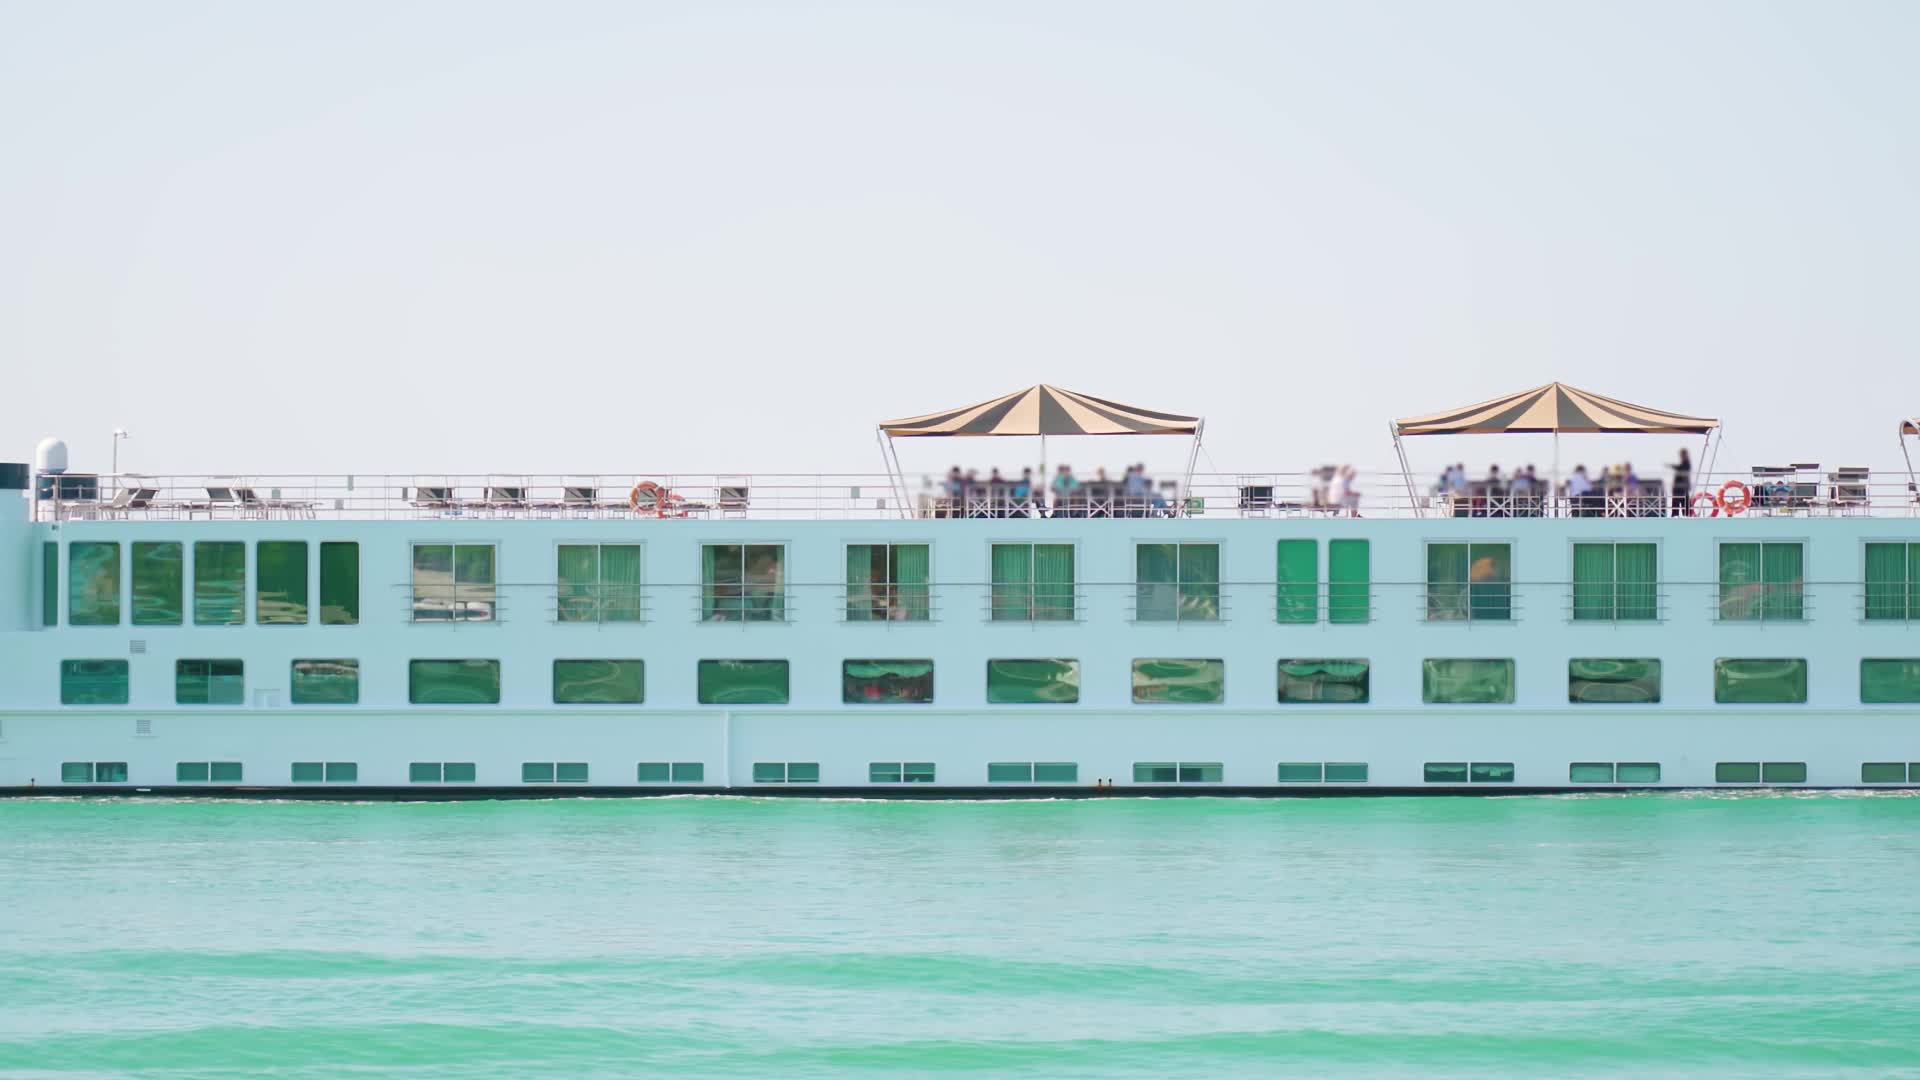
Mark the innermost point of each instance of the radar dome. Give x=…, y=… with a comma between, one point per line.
x=50, y=457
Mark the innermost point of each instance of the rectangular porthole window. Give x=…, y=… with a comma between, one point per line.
x=159, y=590
x=93, y=583
x=339, y=583
x=536, y=772
x=1783, y=772
x=424, y=772
x=280, y=583
x=1883, y=772
x=110, y=772
x=1177, y=772
x=190, y=772
x=900, y=772
x=1590, y=772
x=1491, y=772
x=1613, y=682
x=1346, y=772
x=786, y=772
x=743, y=582
x=679, y=772
x=454, y=583
x=325, y=682
x=886, y=682
x=653, y=772
x=203, y=772
x=453, y=682
x=1037, y=772
x=1469, y=582
x=1760, y=682
x=1467, y=682
x=743, y=682
x=599, y=583
x=1762, y=581
x=219, y=583
x=888, y=583
x=1637, y=772
x=1300, y=772
x=1887, y=682
x=1615, y=582
x=76, y=772
x=1033, y=682
x=209, y=682
x=1324, y=682
x=1736, y=772
x=1177, y=582
x=93, y=682
x=599, y=682
x=570, y=772
x=1183, y=682
x=435, y=772
x=1445, y=772
x=1033, y=582
x=308, y=772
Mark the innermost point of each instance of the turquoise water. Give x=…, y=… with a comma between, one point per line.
x=1645, y=935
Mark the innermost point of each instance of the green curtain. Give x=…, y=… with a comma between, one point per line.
x=1781, y=571
x=1887, y=580
x=1188, y=682
x=93, y=583
x=743, y=682
x=1887, y=682
x=1156, y=582
x=1349, y=581
x=1053, y=582
x=860, y=606
x=1199, y=582
x=159, y=583
x=1490, y=592
x=620, y=582
x=219, y=583
x=1297, y=577
x=280, y=582
x=453, y=682
x=912, y=564
x=1033, y=682
x=1595, y=681
x=1593, y=581
x=577, y=566
x=1447, y=566
x=339, y=583
x=1013, y=566
x=719, y=581
x=765, y=582
x=1743, y=682
x=599, y=682
x=1636, y=581
x=1467, y=682
x=1739, y=581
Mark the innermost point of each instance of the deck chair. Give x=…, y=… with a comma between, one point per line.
x=732, y=500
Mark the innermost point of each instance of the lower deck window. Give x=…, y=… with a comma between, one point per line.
x=1888, y=682
x=900, y=772
x=1033, y=772
x=1890, y=772
x=1466, y=682
x=1464, y=772
x=1324, y=681
x=742, y=682
x=599, y=682
x=93, y=682
x=326, y=772
x=325, y=682
x=207, y=772
x=1610, y=772
x=93, y=772
x=440, y=772
x=1760, y=682
x=1177, y=772
x=1179, y=682
x=1033, y=682
x=671, y=772
x=786, y=772
x=553, y=772
x=886, y=682
x=1316, y=772
x=209, y=682
x=453, y=682
x=1613, y=682
x=1760, y=772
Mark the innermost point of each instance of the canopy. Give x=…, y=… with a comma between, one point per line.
x=1908, y=427
x=1044, y=410
x=1555, y=407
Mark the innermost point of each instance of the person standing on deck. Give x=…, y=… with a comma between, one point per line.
x=1682, y=484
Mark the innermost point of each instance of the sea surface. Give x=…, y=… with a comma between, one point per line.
x=1771, y=935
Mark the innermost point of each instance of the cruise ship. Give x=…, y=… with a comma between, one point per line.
x=886, y=635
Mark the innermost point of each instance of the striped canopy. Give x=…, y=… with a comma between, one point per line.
x=1555, y=407
x=1044, y=410
x=1910, y=427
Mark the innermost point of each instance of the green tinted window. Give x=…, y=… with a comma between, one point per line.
x=1177, y=582
x=1009, y=772
x=1470, y=581
x=459, y=772
x=190, y=772
x=653, y=772
x=1761, y=581
x=224, y=772
x=76, y=772
x=343, y=772
x=1201, y=772
x=1491, y=772
x=743, y=582
x=93, y=682
x=1190, y=682
x=599, y=682
x=1637, y=772
x=424, y=772
x=1349, y=581
x=453, y=682
x=209, y=682
x=888, y=582
x=570, y=772
x=110, y=772
x=1445, y=772
x=1156, y=772
x=1760, y=682
x=1033, y=682
x=1346, y=772
x=1736, y=772
x=1590, y=772
x=1883, y=772
x=325, y=682
x=743, y=682
x=689, y=772
x=1297, y=592
x=1783, y=772
x=159, y=588
x=769, y=772
x=1615, y=581
x=1893, y=581
x=339, y=583
x=93, y=583
x=1056, y=772
x=1614, y=682
x=1299, y=772
x=1467, y=682
x=1033, y=582
x=219, y=583
x=886, y=682
x=1884, y=682
x=280, y=582
x=883, y=772
x=49, y=584
x=599, y=583
x=454, y=583
x=1324, y=681
x=536, y=772
x=308, y=772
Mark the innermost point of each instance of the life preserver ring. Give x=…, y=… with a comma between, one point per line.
x=1734, y=497
x=1706, y=504
x=659, y=501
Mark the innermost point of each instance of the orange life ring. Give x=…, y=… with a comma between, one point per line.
x=1730, y=505
x=1706, y=504
x=661, y=497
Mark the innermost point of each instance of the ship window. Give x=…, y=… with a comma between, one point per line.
x=434, y=772
x=453, y=682
x=1177, y=582
x=570, y=772
x=1033, y=682
x=1466, y=682
x=330, y=772
x=1893, y=581
x=1760, y=682
x=1637, y=772
x=325, y=682
x=1324, y=681
x=1783, y=772
x=1616, y=682
x=76, y=772
x=280, y=582
x=900, y=772
x=1300, y=772
x=888, y=582
x=1884, y=682
x=454, y=583
x=209, y=682
x=1883, y=772
x=1470, y=582
x=50, y=584
x=1736, y=772
x=159, y=589
x=1616, y=581
x=743, y=582
x=93, y=583
x=1177, y=772
x=202, y=772
x=1761, y=581
x=1491, y=772
x=551, y=772
x=219, y=583
x=1033, y=582
x=599, y=583
x=660, y=772
x=1349, y=581
x=339, y=583
x=599, y=682
x=743, y=682
x=1298, y=586
x=1590, y=772
x=786, y=772
x=1445, y=772
x=1346, y=772
x=93, y=682
x=886, y=682
x=1184, y=682
x=1297, y=581
x=1036, y=772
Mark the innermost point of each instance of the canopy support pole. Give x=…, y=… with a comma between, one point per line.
x=1913, y=485
x=1406, y=470
x=1553, y=479
x=1193, y=460
x=896, y=480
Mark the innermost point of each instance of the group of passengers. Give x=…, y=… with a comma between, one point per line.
x=1618, y=491
x=966, y=494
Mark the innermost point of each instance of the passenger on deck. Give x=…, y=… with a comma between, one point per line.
x=1682, y=485
x=1066, y=490
x=1022, y=494
x=1342, y=494
x=1580, y=491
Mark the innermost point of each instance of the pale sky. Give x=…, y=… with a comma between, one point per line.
x=626, y=236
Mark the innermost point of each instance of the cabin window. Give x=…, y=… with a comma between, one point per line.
x=553, y=772
x=326, y=772
x=1349, y=581
x=1033, y=772
x=786, y=772
x=93, y=682
x=219, y=583
x=93, y=772
x=209, y=682
x=1609, y=772
x=454, y=583
x=1033, y=582
x=437, y=772
x=1177, y=582
x=1317, y=772
x=1178, y=772
x=1889, y=772
x=339, y=583
x=1616, y=581
x=159, y=589
x=599, y=583
x=1613, y=682
x=743, y=682
x=453, y=682
x=1348, y=585
x=50, y=584
x=743, y=582
x=1033, y=682
x=1343, y=682
x=676, y=772
x=280, y=583
x=886, y=682
x=1466, y=682
x=1760, y=772
x=93, y=583
x=900, y=772
x=1462, y=772
x=324, y=682
x=1297, y=577
x=1179, y=682
x=599, y=682
x=1470, y=582
x=205, y=772
x=1760, y=682
x=1888, y=682
x=1893, y=581
x=888, y=582
x=1762, y=581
